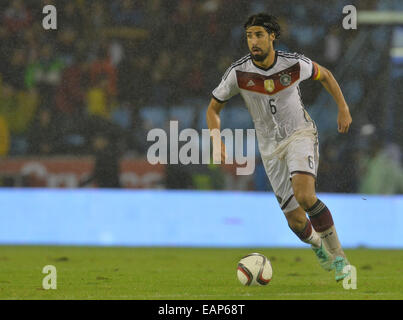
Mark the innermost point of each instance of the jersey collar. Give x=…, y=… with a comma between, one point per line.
x=271, y=66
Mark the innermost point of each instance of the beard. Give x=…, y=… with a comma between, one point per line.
x=259, y=57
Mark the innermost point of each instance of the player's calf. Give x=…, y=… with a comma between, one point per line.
x=302, y=227
x=308, y=235
x=322, y=222
x=296, y=220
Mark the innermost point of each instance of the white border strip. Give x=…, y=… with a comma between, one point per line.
x=380, y=17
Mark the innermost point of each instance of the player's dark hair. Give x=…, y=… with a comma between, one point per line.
x=267, y=21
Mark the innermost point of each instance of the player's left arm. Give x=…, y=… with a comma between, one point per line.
x=330, y=83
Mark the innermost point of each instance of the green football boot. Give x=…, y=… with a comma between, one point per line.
x=339, y=263
x=325, y=258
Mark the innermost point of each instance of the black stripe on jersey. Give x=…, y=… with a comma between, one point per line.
x=302, y=103
x=303, y=111
x=300, y=98
x=293, y=56
x=235, y=64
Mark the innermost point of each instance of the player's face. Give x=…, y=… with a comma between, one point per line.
x=259, y=42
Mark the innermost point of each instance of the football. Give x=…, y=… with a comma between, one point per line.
x=254, y=270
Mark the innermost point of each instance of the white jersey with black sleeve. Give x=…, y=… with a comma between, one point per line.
x=272, y=97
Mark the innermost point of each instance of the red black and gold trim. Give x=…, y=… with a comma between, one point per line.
x=268, y=84
x=315, y=71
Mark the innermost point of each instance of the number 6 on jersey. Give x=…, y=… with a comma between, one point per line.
x=273, y=108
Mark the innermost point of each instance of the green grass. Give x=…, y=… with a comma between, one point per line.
x=189, y=273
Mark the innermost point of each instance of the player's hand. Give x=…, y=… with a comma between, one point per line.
x=344, y=120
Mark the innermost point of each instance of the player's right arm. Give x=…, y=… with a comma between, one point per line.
x=227, y=88
x=214, y=124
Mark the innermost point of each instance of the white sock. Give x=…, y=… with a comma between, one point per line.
x=331, y=241
x=309, y=235
x=313, y=239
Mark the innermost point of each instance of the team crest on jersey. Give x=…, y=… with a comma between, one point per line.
x=285, y=79
x=269, y=85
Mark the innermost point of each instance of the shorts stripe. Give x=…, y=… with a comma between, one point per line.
x=287, y=202
x=218, y=100
x=304, y=172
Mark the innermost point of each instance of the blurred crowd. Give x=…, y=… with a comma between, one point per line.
x=63, y=91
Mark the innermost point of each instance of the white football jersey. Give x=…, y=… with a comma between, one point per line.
x=272, y=96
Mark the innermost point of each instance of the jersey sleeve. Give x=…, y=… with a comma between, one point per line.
x=228, y=86
x=309, y=69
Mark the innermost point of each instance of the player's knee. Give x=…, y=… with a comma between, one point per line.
x=296, y=223
x=305, y=199
x=296, y=219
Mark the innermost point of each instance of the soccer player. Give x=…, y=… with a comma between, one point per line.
x=268, y=80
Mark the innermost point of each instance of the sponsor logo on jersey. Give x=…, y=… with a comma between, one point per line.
x=250, y=83
x=269, y=85
x=285, y=79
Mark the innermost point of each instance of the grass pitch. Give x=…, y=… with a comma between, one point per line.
x=189, y=273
